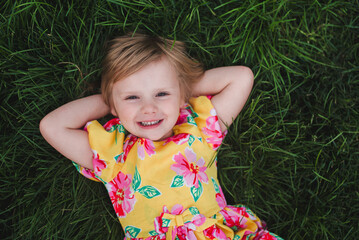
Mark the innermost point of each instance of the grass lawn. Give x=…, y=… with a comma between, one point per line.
x=292, y=155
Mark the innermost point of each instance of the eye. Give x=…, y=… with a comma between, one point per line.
x=132, y=97
x=162, y=94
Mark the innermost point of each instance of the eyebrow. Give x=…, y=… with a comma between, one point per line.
x=130, y=92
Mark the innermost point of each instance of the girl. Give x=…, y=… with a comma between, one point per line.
x=159, y=176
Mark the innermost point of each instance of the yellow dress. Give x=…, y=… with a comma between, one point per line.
x=169, y=189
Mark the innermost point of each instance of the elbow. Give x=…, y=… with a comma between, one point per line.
x=248, y=74
x=42, y=126
x=245, y=77
x=45, y=127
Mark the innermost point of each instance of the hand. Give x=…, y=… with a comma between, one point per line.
x=230, y=86
x=63, y=128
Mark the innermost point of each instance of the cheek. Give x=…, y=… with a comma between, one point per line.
x=173, y=108
x=125, y=112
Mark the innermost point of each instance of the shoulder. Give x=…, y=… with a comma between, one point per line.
x=207, y=120
x=106, y=143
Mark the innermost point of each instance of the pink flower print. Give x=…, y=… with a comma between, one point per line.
x=233, y=219
x=157, y=237
x=259, y=234
x=110, y=124
x=184, y=233
x=221, y=200
x=87, y=173
x=198, y=220
x=179, y=139
x=182, y=118
x=145, y=145
x=184, y=222
x=241, y=211
x=214, y=232
x=192, y=170
x=87, y=124
x=268, y=236
x=98, y=164
x=159, y=224
x=121, y=194
x=129, y=142
x=213, y=130
x=177, y=209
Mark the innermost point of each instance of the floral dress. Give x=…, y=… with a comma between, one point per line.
x=169, y=189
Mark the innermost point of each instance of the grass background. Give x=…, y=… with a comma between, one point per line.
x=291, y=155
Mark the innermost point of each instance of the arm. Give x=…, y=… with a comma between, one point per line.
x=230, y=86
x=62, y=128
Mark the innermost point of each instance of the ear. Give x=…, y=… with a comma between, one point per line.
x=182, y=101
x=113, y=112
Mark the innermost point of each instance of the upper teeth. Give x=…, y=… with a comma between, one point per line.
x=150, y=123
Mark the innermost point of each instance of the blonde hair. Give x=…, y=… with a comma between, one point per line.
x=129, y=53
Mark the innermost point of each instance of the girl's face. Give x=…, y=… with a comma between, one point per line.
x=148, y=102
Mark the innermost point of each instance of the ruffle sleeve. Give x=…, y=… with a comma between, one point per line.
x=106, y=143
x=207, y=121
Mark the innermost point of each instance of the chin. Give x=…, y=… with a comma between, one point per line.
x=152, y=138
x=159, y=138
x=155, y=136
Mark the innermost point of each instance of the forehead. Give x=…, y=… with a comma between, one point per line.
x=157, y=74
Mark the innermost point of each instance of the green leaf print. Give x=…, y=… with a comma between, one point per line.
x=165, y=222
x=118, y=157
x=248, y=210
x=191, y=140
x=191, y=121
x=216, y=187
x=76, y=166
x=177, y=181
x=193, y=113
x=133, y=231
x=276, y=236
x=136, y=182
x=236, y=237
x=194, y=210
x=153, y=233
x=113, y=128
x=197, y=192
x=120, y=128
x=149, y=192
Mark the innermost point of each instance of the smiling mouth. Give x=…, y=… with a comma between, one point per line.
x=149, y=123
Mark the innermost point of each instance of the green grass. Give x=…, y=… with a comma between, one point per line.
x=292, y=155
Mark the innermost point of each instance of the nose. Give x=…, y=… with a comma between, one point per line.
x=149, y=107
